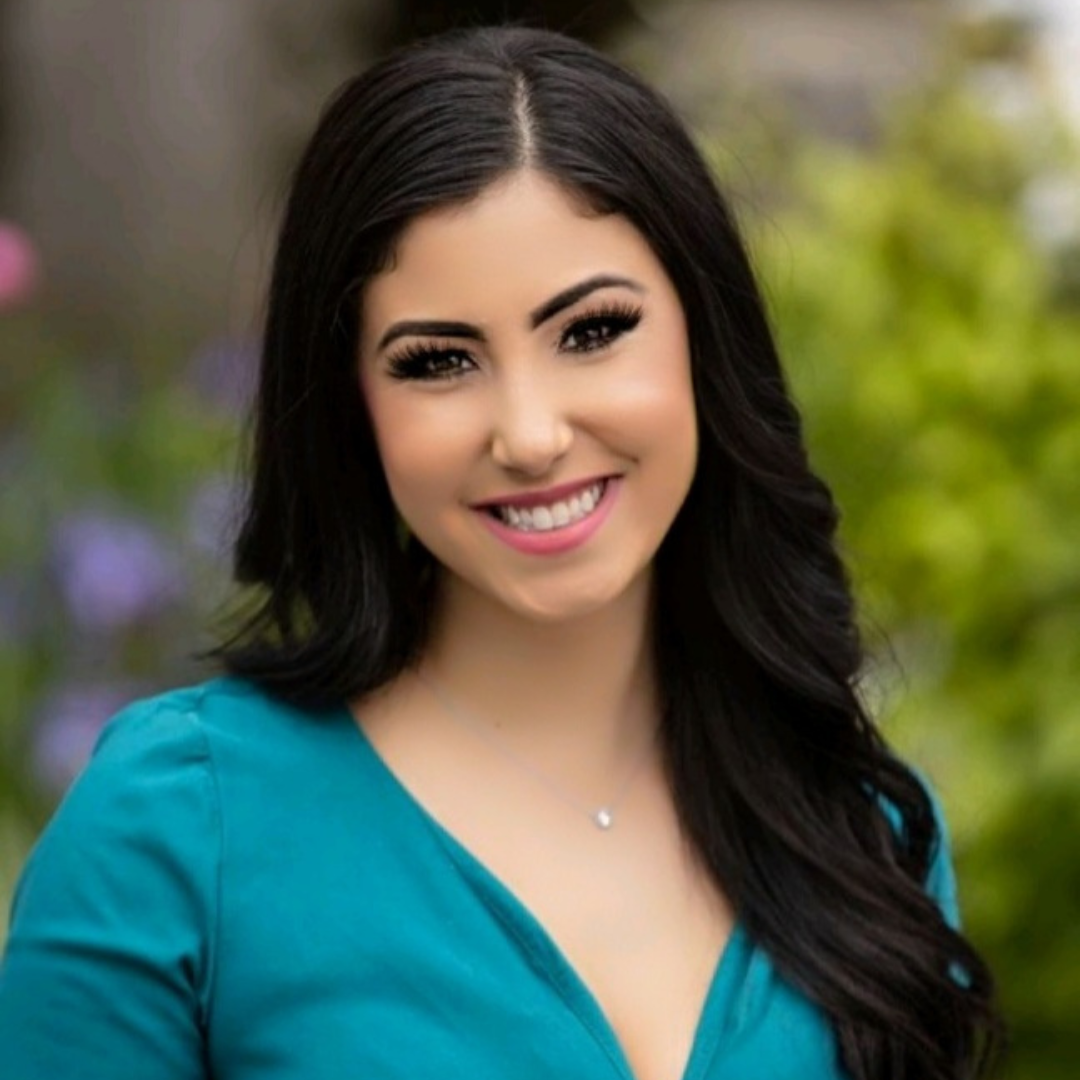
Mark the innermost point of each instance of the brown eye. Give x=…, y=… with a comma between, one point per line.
x=424, y=362
x=598, y=329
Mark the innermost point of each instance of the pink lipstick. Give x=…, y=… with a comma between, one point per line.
x=561, y=538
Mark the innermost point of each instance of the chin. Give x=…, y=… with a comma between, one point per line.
x=565, y=603
x=554, y=613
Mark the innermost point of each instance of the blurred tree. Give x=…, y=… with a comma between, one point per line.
x=939, y=369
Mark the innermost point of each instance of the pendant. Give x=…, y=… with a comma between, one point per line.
x=604, y=818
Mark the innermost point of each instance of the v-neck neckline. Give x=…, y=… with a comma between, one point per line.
x=531, y=933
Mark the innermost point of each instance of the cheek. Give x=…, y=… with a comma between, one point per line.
x=421, y=447
x=415, y=465
x=653, y=402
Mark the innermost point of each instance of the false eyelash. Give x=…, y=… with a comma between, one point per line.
x=626, y=317
x=411, y=362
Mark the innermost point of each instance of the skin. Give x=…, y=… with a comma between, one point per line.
x=527, y=413
x=550, y=652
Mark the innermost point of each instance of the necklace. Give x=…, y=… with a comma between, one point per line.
x=603, y=817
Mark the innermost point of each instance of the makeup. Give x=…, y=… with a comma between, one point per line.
x=513, y=387
x=592, y=331
x=560, y=539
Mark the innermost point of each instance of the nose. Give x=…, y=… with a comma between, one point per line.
x=530, y=428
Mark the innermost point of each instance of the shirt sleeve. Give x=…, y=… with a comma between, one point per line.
x=109, y=958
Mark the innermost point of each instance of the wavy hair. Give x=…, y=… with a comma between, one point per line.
x=779, y=776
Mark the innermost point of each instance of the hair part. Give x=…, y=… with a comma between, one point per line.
x=780, y=778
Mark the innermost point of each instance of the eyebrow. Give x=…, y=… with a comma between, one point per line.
x=547, y=310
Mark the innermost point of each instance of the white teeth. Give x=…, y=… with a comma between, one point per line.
x=556, y=516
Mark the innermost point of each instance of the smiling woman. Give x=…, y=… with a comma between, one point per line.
x=539, y=753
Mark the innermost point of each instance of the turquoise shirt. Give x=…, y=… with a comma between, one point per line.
x=238, y=889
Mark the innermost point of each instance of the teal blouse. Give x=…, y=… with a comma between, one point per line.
x=238, y=889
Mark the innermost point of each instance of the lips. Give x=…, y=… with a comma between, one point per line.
x=534, y=535
x=527, y=499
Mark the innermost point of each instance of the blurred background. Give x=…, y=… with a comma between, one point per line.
x=908, y=174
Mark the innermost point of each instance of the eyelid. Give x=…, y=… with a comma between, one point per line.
x=416, y=353
x=618, y=310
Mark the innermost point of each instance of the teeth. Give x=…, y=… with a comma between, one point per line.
x=556, y=515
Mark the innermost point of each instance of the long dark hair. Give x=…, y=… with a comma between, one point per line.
x=780, y=777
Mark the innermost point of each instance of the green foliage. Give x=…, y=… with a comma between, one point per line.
x=940, y=381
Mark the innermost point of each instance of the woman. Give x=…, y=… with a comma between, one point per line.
x=540, y=754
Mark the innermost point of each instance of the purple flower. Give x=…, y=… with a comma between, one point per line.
x=223, y=372
x=113, y=570
x=67, y=726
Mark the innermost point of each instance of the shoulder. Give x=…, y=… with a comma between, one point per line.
x=230, y=764
x=197, y=726
x=126, y=871
x=121, y=893
x=225, y=705
x=152, y=785
x=148, y=784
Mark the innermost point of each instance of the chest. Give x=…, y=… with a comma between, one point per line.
x=646, y=949
x=633, y=919
x=639, y=924
x=360, y=940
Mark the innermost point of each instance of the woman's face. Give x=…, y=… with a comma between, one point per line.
x=526, y=369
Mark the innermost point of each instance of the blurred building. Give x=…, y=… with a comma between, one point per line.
x=144, y=149
x=146, y=142
x=830, y=63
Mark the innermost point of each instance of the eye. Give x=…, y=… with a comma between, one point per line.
x=428, y=363
x=600, y=327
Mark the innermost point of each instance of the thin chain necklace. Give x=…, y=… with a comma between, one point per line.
x=603, y=817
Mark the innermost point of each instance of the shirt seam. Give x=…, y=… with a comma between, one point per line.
x=218, y=876
x=191, y=713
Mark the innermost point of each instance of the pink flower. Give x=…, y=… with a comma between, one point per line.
x=19, y=267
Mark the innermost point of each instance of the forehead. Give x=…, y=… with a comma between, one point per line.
x=517, y=243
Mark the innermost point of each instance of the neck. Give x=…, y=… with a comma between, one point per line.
x=578, y=694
